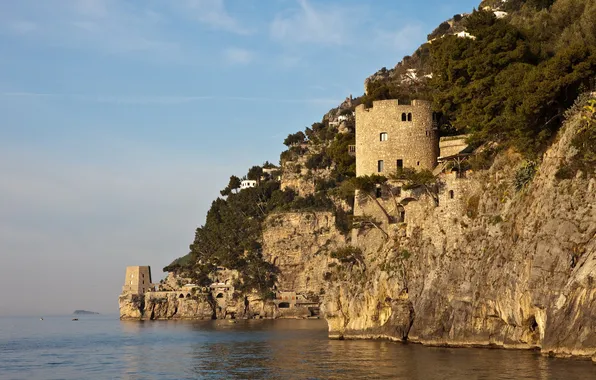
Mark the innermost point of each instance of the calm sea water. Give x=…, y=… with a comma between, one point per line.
x=102, y=347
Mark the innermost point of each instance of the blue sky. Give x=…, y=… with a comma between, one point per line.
x=121, y=120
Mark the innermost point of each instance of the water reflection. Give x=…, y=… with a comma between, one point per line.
x=105, y=348
x=300, y=349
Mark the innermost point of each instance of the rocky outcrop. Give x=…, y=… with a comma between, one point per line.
x=498, y=267
x=170, y=305
x=298, y=243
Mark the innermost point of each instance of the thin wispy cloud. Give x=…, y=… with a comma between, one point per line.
x=238, y=56
x=320, y=24
x=163, y=100
x=108, y=26
x=22, y=27
x=214, y=14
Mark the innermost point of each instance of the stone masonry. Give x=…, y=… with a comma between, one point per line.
x=390, y=131
x=137, y=280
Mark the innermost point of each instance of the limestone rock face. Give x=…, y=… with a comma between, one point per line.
x=169, y=305
x=299, y=245
x=502, y=268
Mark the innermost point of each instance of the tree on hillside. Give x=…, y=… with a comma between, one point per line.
x=255, y=173
x=233, y=186
x=295, y=139
x=502, y=87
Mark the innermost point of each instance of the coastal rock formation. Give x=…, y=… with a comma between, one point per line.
x=499, y=267
x=176, y=305
x=298, y=243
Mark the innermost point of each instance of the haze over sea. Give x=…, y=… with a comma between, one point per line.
x=102, y=347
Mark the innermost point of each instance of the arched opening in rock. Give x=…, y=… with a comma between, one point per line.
x=219, y=295
x=284, y=305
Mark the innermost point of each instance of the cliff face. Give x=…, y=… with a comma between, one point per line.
x=298, y=244
x=498, y=267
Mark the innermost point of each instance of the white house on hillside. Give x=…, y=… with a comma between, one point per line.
x=247, y=183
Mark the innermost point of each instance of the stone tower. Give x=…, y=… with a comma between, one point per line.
x=391, y=135
x=137, y=280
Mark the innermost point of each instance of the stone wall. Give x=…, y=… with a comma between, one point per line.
x=416, y=142
x=452, y=145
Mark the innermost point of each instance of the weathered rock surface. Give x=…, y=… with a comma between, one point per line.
x=169, y=305
x=501, y=268
x=298, y=243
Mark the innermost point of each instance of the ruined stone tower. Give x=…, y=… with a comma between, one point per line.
x=391, y=135
x=137, y=280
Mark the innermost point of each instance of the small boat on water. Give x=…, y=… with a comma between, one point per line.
x=41, y=319
x=75, y=319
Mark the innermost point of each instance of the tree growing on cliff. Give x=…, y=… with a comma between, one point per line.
x=233, y=186
x=424, y=178
x=294, y=139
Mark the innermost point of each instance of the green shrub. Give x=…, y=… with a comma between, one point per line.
x=524, y=175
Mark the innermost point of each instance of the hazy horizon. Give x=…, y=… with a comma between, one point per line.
x=122, y=120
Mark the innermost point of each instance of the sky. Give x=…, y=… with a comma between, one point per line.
x=120, y=121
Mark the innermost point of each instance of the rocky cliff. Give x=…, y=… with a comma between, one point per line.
x=504, y=267
x=298, y=243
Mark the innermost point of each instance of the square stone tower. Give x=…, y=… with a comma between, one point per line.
x=390, y=135
x=137, y=280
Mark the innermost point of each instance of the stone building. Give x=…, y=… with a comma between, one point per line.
x=137, y=280
x=390, y=135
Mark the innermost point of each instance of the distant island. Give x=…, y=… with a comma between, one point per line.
x=84, y=312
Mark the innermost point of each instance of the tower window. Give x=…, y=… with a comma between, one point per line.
x=418, y=163
x=400, y=164
x=403, y=117
x=451, y=194
x=410, y=116
x=380, y=165
x=383, y=136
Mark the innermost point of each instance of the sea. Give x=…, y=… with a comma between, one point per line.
x=103, y=347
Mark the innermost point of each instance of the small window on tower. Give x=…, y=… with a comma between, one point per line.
x=403, y=117
x=383, y=136
x=451, y=194
x=380, y=165
x=409, y=117
x=400, y=164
